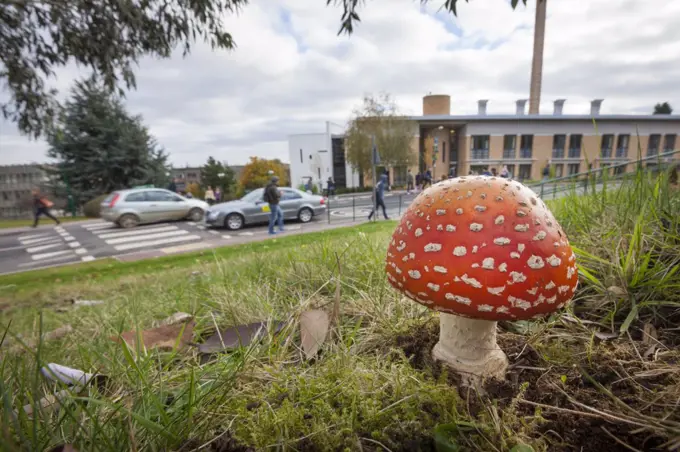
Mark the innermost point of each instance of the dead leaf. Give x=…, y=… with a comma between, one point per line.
x=313, y=331
x=163, y=337
x=177, y=317
x=649, y=334
x=605, y=336
x=87, y=302
x=68, y=375
x=650, y=351
x=237, y=336
x=616, y=290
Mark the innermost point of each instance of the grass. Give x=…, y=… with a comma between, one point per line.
x=573, y=384
x=26, y=222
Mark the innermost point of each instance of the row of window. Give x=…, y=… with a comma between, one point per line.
x=13, y=212
x=479, y=146
x=524, y=170
x=15, y=195
x=21, y=178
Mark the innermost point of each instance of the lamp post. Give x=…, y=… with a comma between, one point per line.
x=435, y=154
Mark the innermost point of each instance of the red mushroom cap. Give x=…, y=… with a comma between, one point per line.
x=482, y=247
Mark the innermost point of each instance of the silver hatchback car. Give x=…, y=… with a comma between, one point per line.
x=128, y=208
x=251, y=209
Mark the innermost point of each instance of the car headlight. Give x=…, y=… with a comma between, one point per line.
x=212, y=215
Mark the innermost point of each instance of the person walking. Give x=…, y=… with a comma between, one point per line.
x=330, y=187
x=546, y=171
x=218, y=194
x=379, y=197
x=41, y=206
x=409, y=182
x=209, y=196
x=272, y=196
x=505, y=173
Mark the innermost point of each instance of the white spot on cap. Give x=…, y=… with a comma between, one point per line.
x=409, y=225
x=458, y=298
x=402, y=245
x=522, y=227
x=537, y=222
x=398, y=270
x=539, y=236
x=468, y=194
x=412, y=255
x=459, y=211
x=400, y=285
x=441, y=212
x=570, y=272
x=427, y=269
x=563, y=289
x=503, y=267
x=450, y=228
x=554, y=261
x=499, y=198
x=550, y=285
x=471, y=281
x=520, y=247
x=415, y=274
x=475, y=265
x=519, y=303
x=456, y=279
x=433, y=247
x=517, y=277
x=419, y=232
x=409, y=294
x=502, y=241
x=499, y=219
x=521, y=213
x=476, y=227
x=532, y=291
x=433, y=287
x=474, y=249
x=502, y=310
x=440, y=227
x=487, y=263
x=404, y=259
x=485, y=308
x=459, y=251
x=496, y=290
x=480, y=208
x=440, y=269
x=535, y=262
x=552, y=299
x=514, y=255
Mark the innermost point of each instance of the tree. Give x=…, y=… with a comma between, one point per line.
x=350, y=14
x=379, y=117
x=107, y=36
x=258, y=172
x=215, y=174
x=100, y=148
x=195, y=190
x=428, y=152
x=663, y=109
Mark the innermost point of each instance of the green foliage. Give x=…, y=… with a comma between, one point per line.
x=663, y=109
x=108, y=37
x=256, y=174
x=92, y=208
x=379, y=117
x=210, y=176
x=100, y=148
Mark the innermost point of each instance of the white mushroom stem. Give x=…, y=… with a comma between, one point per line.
x=469, y=347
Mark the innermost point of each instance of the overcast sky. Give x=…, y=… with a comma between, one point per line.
x=291, y=72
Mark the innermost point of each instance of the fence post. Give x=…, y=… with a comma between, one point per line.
x=542, y=186
x=354, y=213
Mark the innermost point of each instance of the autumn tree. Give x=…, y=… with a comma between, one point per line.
x=379, y=119
x=108, y=37
x=428, y=152
x=217, y=174
x=663, y=109
x=258, y=172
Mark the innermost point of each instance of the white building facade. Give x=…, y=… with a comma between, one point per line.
x=315, y=157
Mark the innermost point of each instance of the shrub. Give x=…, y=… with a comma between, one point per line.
x=91, y=208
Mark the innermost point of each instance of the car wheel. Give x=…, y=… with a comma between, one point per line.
x=305, y=215
x=128, y=221
x=233, y=221
x=196, y=215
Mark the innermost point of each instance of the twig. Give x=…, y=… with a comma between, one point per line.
x=565, y=410
x=627, y=446
x=377, y=442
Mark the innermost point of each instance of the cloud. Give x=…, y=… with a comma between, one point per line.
x=291, y=71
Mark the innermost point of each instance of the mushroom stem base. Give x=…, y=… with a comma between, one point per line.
x=469, y=347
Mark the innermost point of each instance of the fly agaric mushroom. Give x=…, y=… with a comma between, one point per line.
x=478, y=250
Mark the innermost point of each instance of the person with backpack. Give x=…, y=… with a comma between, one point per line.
x=379, y=197
x=41, y=206
x=272, y=196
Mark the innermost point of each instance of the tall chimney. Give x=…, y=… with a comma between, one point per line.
x=537, y=60
x=521, y=104
x=595, y=105
x=559, y=103
x=481, y=107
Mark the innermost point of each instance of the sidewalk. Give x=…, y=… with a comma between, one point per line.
x=42, y=227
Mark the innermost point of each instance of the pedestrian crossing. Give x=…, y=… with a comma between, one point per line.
x=141, y=237
x=53, y=246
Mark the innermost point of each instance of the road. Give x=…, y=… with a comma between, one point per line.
x=29, y=249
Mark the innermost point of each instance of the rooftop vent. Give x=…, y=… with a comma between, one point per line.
x=559, y=104
x=481, y=107
x=521, y=104
x=595, y=105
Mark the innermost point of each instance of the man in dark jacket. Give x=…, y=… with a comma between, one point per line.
x=379, y=197
x=40, y=208
x=272, y=196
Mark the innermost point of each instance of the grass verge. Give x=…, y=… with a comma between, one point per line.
x=604, y=375
x=24, y=222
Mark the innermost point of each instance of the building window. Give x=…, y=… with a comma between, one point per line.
x=653, y=144
x=669, y=142
x=478, y=169
x=606, y=146
x=619, y=169
x=573, y=168
x=524, y=171
x=443, y=151
x=5, y=196
x=511, y=170
x=480, y=147
x=575, y=146
x=559, y=143
x=559, y=170
x=510, y=146
x=526, y=148
x=622, y=146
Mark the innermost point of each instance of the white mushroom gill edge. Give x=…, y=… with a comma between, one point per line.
x=469, y=347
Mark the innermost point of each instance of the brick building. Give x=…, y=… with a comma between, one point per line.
x=16, y=183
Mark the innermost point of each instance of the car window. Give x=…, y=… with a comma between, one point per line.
x=253, y=196
x=109, y=198
x=290, y=194
x=159, y=196
x=136, y=197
